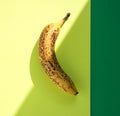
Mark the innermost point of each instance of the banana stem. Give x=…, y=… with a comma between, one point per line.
x=66, y=17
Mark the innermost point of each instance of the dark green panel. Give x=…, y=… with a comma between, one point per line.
x=105, y=58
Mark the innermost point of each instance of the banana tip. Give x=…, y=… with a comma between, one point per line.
x=76, y=93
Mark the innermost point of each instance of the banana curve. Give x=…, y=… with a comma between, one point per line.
x=48, y=58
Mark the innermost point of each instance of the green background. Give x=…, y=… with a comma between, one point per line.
x=105, y=58
x=25, y=90
x=23, y=93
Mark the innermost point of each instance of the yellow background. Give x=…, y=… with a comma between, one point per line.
x=21, y=22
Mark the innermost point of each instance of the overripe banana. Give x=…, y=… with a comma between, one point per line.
x=48, y=58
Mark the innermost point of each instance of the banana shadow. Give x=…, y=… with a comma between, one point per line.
x=74, y=57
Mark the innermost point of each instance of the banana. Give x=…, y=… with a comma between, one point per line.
x=48, y=58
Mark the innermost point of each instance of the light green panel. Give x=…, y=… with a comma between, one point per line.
x=24, y=87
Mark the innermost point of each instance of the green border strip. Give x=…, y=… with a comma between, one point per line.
x=105, y=58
